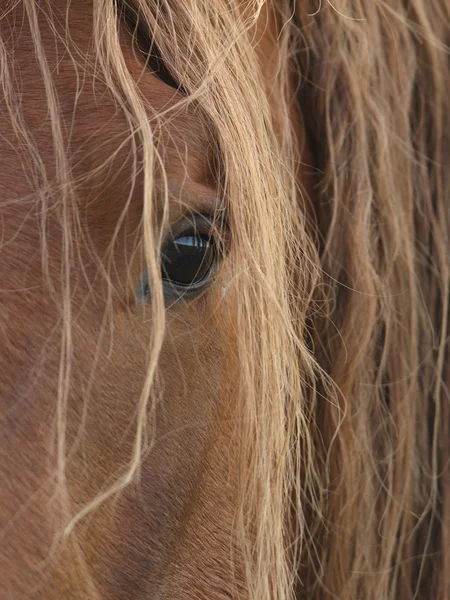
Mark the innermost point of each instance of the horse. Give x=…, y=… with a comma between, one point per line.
x=224, y=299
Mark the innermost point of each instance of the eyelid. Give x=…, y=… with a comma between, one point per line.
x=202, y=224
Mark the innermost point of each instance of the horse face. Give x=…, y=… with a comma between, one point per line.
x=168, y=535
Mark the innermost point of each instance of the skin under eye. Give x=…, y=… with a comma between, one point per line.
x=188, y=262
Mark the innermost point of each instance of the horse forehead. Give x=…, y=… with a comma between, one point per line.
x=82, y=91
x=185, y=129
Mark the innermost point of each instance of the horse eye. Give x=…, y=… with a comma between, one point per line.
x=187, y=265
x=188, y=260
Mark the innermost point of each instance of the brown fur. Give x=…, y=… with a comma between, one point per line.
x=149, y=544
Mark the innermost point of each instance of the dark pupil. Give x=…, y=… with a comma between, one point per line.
x=188, y=259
